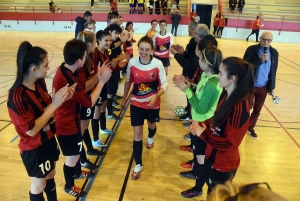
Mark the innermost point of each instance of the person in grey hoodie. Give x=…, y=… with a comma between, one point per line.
x=80, y=22
x=176, y=17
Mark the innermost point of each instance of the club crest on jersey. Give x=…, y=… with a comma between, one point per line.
x=109, y=51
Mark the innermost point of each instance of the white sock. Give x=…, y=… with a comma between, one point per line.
x=150, y=140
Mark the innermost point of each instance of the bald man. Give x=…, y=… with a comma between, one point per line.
x=264, y=59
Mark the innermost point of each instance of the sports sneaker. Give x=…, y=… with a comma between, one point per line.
x=98, y=143
x=115, y=103
x=85, y=175
x=188, y=164
x=188, y=175
x=136, y=172
x=187, y=136
x=190, y=193
x=186, y=148
x=107, y=131
x=116, y=97
x=186, y=125
x=150, y=146
x=76, y=192
x=89, y=165
x=185, y=117
x=113, y=116
x=96, y=152
x=114, y=109
x=252, y=134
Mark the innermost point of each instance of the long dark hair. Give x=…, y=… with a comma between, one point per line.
x=26, y=57
x=244, y=87
x=127, y=24
x=213, y=57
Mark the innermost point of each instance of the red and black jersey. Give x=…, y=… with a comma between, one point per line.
x=223, y=141
x=67, y=115
x=24, y=107
x=85, y=74
x=99, y=57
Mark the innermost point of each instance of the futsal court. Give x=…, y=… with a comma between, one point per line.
x=274, y=157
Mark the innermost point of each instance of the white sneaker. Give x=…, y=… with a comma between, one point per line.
x=136, y=172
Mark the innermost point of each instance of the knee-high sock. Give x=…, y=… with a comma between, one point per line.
x=151, y=132
x=50, y=190
x=109, y=105
x=87, y=140
x=103, y=121
x=137, y=151
x=69, y=173
x=36, y=197
x=200, y=180
x=83, y=157
x=95, y=129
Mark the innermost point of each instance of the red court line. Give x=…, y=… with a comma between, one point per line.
x=286, y=131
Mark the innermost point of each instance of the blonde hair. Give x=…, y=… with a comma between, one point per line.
x=250, y=192
x=90, y=21
x=87, y=37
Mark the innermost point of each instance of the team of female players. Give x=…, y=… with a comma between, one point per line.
x=220, y=117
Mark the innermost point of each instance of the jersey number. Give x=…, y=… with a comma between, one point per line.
x=88, y=111
x=46, y=166
x=99, y=100
x=80, y=145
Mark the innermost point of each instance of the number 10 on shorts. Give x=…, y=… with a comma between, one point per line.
x=45, y=166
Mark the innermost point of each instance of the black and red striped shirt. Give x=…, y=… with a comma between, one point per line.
x=223, y=141
x=24, y=107
x=99, y=57
x=67, y=115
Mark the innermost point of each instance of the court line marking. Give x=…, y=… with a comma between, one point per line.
x=285, y=130
x=5, y=126
x=110, y=138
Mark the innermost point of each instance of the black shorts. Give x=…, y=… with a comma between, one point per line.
x=214, y=177
x=86, y=113
x=103, y=96
x=198, y=145
x=112, y=83
x=70, y=145
x=40, y=161
x=138, y=115
x=165, y=61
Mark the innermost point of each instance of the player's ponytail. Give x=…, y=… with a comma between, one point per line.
x=26, y=57
x=87, y=37
x=244, y=86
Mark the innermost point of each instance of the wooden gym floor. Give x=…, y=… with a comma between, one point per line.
x=273, y=158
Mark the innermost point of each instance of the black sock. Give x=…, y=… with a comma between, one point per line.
x=95, y=129
x=151, y=132
x=69, y=173
x=78, y=168
x=87, y=140
x=83, y=157
x=137, y=151
x=109, y=105
x=36, y=197
x=50, y=190
x=103, y=121
x=201, y=177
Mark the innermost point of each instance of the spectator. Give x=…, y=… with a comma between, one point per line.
x=157, y=7
x=80, y=22
x=92, y=3
x=176, y=18
x=173, y=6
x=193, y=14
x=140, y=6
x=164, y=6
x=241, y=4
x=197, y=18
x=131, y=6
x=52, y=6
x=221, y=26
x=255, y=28
x=150, y=6
x=216, y=23
x=232, y=5
x=59, y=10
x=114, y=7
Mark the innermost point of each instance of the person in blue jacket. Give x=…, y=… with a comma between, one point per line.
x=80, y=22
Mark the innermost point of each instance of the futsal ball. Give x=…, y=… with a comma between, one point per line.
x=179, y=111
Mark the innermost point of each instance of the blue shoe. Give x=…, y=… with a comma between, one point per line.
x=98, y=143
x=107, y=131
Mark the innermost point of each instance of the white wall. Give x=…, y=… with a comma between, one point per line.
x=140, y=28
